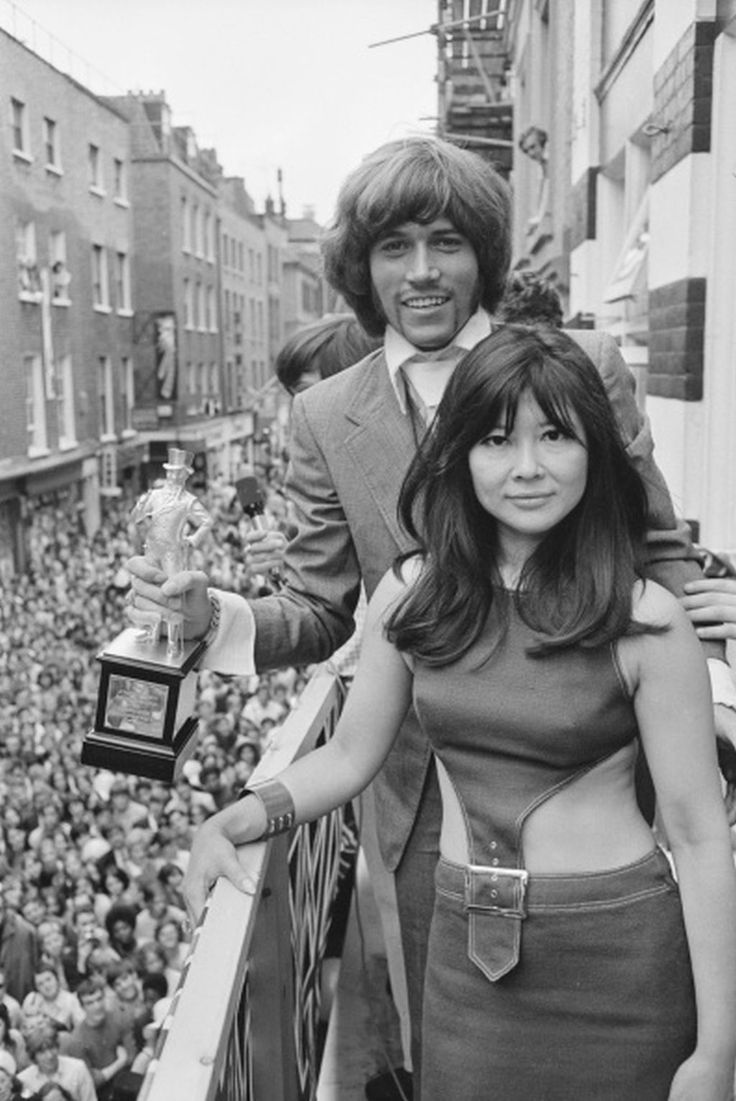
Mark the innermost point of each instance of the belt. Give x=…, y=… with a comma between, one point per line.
x=497, y=900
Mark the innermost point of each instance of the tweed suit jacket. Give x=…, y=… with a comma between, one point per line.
x=350, y=448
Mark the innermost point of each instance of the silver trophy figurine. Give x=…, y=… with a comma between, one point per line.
x=145, y=721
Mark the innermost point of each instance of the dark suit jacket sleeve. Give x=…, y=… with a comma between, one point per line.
x=313, y=614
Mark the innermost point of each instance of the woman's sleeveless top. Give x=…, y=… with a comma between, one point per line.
x=513, y=729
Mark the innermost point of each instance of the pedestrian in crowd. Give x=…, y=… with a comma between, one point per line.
x=50, y=1001
x=562, y=955
x=9, y=1085
x=49, y=1068
x=102, y=1040
x=11, y=1040
x=10, y=1004
x=530, y=299
x=18, y=950
x=420, y=249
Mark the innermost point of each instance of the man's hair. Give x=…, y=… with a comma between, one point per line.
x=89, y=988
x=43, y=1033
x=118, y=968
x=530, y=299
x=417, y=179
x=326, y=346
x=119, y=911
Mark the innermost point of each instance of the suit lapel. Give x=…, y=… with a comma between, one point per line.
x=380, y=441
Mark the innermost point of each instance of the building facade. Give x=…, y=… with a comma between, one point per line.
x=629, y=208
x=66, y=292
x=141, y=300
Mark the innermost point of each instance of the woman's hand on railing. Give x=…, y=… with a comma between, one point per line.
x=213, y=853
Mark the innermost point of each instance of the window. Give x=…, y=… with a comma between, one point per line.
x=19, y=127
x=194, y=232
x=225, y=249
x=60, y=277
x=35, y=405
x=209, y=239
x=122, y=282
x=107, y=405
x=227, y=310
x=128, y=393
x=65, y=402
x=120, y=181
x=199, y=231
x=100, y=287
x=51, y=144
x=29, y=278
x=188, y=305
x=196, y=315
x=211, y=310
x=201, y=308
x=94, y=165
x=186, y=237
x=259, y=269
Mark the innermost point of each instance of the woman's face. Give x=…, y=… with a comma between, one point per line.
x=529, y=479
x=168, y=936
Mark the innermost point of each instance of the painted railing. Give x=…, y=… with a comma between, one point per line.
x=243, y=1023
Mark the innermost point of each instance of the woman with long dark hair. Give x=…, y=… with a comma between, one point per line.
x=565, y=960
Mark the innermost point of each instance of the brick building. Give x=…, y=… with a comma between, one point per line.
x=66, y=294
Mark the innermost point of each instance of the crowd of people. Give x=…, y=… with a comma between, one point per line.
x=92, y=920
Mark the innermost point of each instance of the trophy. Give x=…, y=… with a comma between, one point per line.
x=145, y=722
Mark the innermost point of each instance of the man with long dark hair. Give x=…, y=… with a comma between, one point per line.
x=420, y=249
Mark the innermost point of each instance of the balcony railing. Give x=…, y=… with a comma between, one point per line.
x=243, y=1022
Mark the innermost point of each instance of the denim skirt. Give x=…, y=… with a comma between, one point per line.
x=600, y=1006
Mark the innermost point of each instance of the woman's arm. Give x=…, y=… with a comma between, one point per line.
x=329, y=776
x=673, y=707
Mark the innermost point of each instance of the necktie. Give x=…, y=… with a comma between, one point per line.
x=425, y=386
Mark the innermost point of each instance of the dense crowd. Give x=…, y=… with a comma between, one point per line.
x=92, y=922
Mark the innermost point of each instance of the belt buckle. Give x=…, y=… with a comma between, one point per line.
x=485, y=887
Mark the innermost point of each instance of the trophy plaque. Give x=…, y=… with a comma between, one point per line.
x=145, y=722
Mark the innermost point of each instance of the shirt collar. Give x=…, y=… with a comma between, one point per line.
x=398, y=350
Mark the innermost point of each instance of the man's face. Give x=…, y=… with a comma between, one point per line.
x=47, y=985
x=426, y=280
x=94, y=1008
x=47, y=1060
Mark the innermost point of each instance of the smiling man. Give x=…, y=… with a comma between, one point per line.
x=420, y=249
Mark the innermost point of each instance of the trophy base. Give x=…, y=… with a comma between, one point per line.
x=155, y=761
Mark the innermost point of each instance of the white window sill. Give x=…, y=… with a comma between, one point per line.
x=102, y=309
x=61, y=302
x=34, y=297
x=54, y=170
x=119, y=201
x=98, y=191
x=125, y=312
x=35, y=452
x=108, y=437
x=66, y=444
x=21, y=156
x=128, y=434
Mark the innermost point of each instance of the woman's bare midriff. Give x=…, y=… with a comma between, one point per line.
x=592, y=824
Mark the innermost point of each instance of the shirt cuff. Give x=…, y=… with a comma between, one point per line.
x=232, y=648
x=722, y=683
